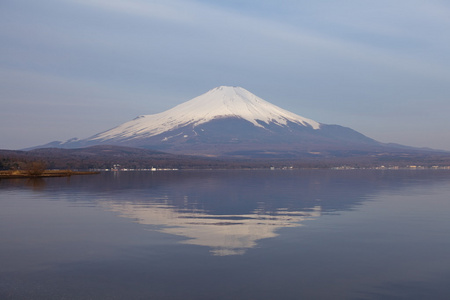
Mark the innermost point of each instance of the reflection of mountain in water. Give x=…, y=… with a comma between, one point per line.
x=225, y=234
x=230, y=211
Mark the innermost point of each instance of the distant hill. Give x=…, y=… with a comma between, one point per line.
x=100, y=157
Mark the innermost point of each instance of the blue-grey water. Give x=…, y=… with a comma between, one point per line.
x=292, y=234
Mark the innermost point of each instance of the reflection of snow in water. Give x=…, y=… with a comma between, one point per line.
x=225, y=234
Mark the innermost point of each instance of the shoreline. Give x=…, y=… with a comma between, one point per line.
x=52, y=173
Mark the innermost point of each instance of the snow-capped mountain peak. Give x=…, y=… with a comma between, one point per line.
x=231, y=121
x=220, y=102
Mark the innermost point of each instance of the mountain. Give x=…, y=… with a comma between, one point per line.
x=231, y=121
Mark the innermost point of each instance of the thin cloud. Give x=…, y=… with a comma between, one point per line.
x=165, y=10
x=208, y=18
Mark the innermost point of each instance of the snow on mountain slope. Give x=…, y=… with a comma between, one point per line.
x=220, y=102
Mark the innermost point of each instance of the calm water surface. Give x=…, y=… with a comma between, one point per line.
x=227, y=235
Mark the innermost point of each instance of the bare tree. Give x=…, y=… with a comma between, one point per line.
x=35, y=168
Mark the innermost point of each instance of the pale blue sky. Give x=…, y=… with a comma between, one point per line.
x=73, y=68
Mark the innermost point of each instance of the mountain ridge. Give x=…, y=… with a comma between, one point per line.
x=228, y=120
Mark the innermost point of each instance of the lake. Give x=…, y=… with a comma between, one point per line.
x=247, y=234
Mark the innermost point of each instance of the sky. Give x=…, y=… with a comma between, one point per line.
x=74, y=68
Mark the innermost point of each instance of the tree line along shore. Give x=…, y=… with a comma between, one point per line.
x=61, y=162
x=36, y=169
